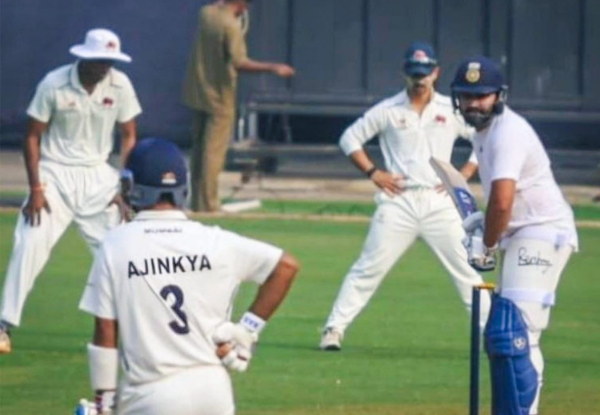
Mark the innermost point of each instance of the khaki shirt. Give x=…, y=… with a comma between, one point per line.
x=211, y=78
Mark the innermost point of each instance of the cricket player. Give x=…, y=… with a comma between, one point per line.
x=167, y=283
x=528, y=220
x=414, y=125
x=69, y=138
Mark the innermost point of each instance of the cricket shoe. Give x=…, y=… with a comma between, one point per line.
x=331, y=340
x=5, y=344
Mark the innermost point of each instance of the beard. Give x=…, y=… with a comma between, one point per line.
x=477, y=119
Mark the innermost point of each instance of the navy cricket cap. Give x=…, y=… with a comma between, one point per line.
x=419, y=59
x=478, y=75
x=156, y=167
x=157, y=162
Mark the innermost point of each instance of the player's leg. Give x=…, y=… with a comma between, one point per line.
x=393, y=229
x=442, y=230
x=209, y=151
x=202, y=390
x=95, y=214
x=521, y=311
x=31, y=250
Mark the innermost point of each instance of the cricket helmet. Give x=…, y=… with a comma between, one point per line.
x=156, y=167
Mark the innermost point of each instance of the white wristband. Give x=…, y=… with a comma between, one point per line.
x=104, y=367
x=252, y=322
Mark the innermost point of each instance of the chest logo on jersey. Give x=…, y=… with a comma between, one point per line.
x=440, y=119
x=168, y=265
x=108, y=102
x=399, y=122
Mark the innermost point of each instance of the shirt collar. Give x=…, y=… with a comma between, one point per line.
x=174, y=214
x=405, y=99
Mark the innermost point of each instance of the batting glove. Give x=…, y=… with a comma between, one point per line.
x=241, y=337
x=480, y=257
x=104, y=404
x=474, y=223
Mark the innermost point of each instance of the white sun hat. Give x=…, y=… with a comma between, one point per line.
x=100, y=44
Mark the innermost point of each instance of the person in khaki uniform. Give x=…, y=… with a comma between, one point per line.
x=218, y=53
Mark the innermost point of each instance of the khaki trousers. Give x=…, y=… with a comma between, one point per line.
x=210, y=139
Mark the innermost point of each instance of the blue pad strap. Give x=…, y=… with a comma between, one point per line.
x=514, y=378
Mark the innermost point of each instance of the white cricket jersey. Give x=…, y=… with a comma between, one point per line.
x=169, y=282
x=80, y=130
x=510, y=149
x=407, y=139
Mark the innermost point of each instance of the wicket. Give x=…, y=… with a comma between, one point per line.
x=475, y=347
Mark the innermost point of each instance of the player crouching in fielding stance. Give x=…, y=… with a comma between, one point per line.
x=528, y=219
x=413, y=126
x=161, y=289
x=69, y=139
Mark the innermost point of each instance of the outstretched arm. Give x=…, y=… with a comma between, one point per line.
x=250, y=65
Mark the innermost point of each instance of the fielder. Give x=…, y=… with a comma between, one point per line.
x=68, y=141
x=168, y=284
x=414, y=125
x=528, y=220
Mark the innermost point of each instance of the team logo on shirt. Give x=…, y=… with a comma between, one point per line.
x=473, y=72
x=108, y=102
x=440, y=119
x=169, y=178
x=399, y=123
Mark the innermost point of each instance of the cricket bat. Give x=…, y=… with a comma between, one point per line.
x=456, y=186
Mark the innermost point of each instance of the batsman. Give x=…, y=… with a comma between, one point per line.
x=527, y=220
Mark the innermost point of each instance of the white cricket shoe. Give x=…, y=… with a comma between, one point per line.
x=5, y=345
x=331, y=340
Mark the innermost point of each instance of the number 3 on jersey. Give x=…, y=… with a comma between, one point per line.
x=179, y=327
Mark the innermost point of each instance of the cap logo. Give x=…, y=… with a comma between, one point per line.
x=420, y=56
x=111, y=45
x=473, y=72
x=169, y=178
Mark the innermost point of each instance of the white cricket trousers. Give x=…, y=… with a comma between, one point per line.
x=531, y=270
x=204, y=390
x=396, y=224
x=74, y=193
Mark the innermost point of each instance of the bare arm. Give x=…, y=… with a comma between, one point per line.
x=250, y=65
x=386, y=181
x=468, y=170
x=275, y=288
x=499, y=210
x=31, y=152
x=128, y=132
x=106, y=333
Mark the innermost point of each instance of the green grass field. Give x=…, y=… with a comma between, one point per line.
x=406, y=354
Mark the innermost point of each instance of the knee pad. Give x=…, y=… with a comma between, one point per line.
x=514, y=378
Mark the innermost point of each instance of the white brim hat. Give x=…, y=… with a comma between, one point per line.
x=100, y=44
